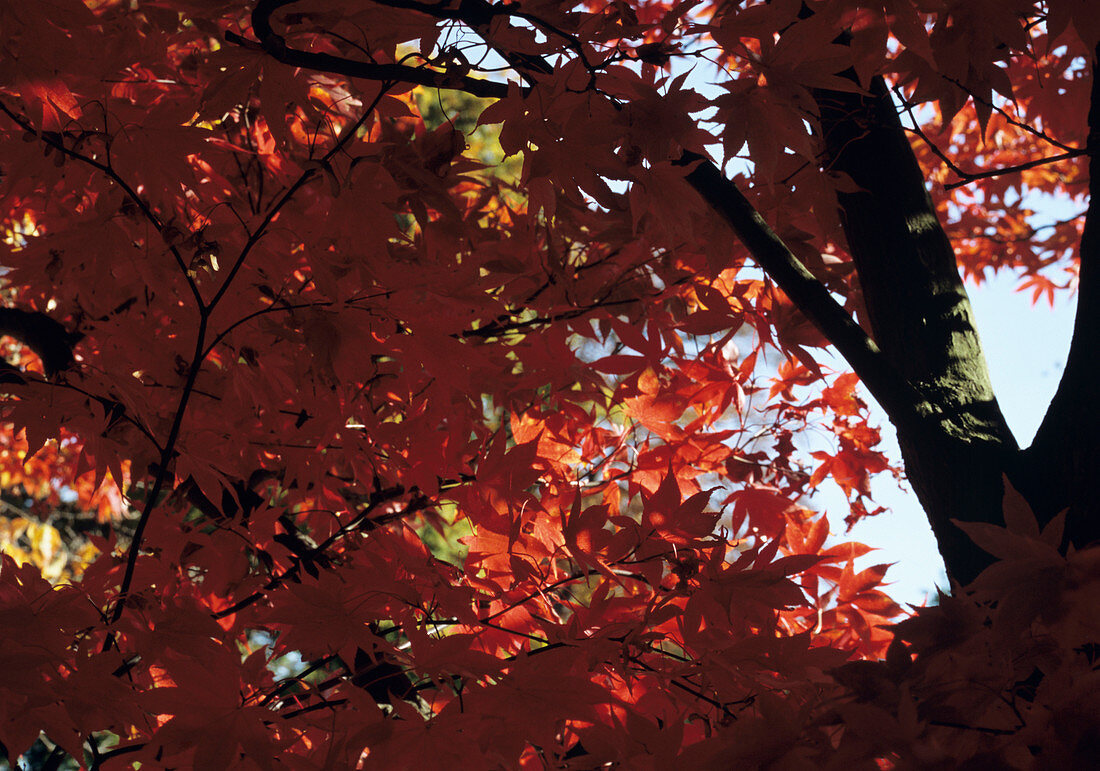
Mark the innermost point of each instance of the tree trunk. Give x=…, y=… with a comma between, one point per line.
x=921, y=318
x=922, y=321
x=1060, y=468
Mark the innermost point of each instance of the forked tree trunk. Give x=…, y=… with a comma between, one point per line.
x=957, y=454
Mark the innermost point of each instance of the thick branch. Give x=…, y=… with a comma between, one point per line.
x=1064, y=460
x=722, y=195
x=275, y=45
x=806, y=292
x=42, y=334
x=932, y=382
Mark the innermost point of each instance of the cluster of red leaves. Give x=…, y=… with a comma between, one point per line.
x=997, y=675
x=430, y=465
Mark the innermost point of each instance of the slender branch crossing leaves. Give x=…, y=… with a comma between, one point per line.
x=415, y=384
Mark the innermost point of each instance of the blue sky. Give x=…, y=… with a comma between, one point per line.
x=1025, y=347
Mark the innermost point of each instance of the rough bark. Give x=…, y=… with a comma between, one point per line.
x=921, y=318
x=1062, y=466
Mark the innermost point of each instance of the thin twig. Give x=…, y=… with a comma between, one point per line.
x=108, y=170
x=966, y=177
x=198, y=357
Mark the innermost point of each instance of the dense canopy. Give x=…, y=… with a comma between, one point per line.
x=403, y=384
